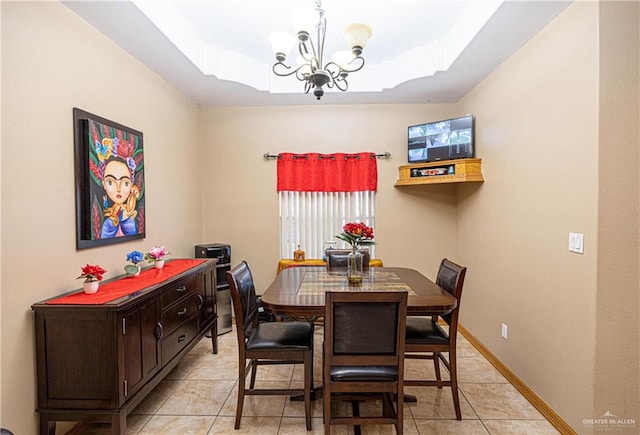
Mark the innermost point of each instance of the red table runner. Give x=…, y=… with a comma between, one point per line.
x=113, y=290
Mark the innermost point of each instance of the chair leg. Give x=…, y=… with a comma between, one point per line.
x=241, y=386
x=355, y=411
x=308, y=382
x=436, y=365
x=254, y=369
x=326, y=408
x=453, y=373
x=400, y=411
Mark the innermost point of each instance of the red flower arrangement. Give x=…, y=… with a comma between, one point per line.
x=92, y=273
x=357, y=234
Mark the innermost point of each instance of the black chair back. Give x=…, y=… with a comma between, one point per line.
x=243, y=295
x=451, y=279
x=365, y=327
x=337, y=258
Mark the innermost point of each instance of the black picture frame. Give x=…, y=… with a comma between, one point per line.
x=109, y=181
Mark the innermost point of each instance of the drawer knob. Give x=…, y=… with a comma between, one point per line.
x=182, y=312
x=181, y=289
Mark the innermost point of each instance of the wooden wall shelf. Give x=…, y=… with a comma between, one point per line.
x=443, y=171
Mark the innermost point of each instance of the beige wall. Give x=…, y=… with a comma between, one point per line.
x=414, y=227
x=617, y=322
x=537, y=118
x=560, y=155
x=52, y=61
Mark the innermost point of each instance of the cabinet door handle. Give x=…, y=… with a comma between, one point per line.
x=182, y=338
x=182, y=312
x=200, y=301
x=181, y=289
x=159, y=331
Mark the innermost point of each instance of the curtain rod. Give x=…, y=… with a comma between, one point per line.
x=385, y=155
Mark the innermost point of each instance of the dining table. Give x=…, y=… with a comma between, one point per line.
x=299, y=293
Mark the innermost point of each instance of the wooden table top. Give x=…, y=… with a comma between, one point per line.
x=300, y=291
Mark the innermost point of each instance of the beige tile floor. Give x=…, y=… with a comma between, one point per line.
x=199, y=397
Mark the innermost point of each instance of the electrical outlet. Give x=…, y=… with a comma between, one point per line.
x=504, y=331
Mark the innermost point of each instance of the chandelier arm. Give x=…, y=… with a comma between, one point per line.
x=285, y=70
x=322, y=31
x=304, y=51
x=334, y=69
x=341, y=83
x=355, y=65
x=331, y=82
x=300, y=74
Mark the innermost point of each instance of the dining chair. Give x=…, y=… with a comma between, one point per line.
x=267, y=343
x=427, y=339
x=337, y=258
x=363, y=354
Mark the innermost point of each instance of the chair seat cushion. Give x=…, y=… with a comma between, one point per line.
x=423, y=330
x=281, y=335
x=360, y=373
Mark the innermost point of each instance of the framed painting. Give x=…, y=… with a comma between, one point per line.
x=109, y=181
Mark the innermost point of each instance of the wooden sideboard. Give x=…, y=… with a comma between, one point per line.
x=101, y=361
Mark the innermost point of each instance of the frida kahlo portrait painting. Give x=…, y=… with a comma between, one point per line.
x=110, y=181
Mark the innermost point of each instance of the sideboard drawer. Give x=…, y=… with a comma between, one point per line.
x=173, y=343
x=178, y=289
x=180, y=312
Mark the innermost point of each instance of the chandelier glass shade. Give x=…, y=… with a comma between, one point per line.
x=310, y=67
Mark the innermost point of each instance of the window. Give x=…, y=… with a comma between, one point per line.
x=318, y=194
x=309, y=219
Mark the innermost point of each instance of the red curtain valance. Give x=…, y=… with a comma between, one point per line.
x=339, y=172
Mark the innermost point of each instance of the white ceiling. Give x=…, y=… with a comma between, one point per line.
x=217, y=53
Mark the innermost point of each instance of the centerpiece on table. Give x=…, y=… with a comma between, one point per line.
x=134, y=257
x=156, y=256
x=92, y=275
x=356, y=234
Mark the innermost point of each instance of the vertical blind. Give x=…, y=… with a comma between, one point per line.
x=319, y=193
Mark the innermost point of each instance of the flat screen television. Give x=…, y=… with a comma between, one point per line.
x=441, y=140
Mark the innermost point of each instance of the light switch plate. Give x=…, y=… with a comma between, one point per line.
x=576, y=243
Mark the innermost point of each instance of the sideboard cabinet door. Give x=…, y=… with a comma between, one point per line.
x=142, y=333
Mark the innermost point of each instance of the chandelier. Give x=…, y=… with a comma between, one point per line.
x=310, y=67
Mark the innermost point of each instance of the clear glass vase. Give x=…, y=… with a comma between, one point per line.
x=354, y=267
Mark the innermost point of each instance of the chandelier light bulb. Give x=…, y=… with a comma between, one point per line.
x=357, y=35
x=343, y=58
x=304, y=21
x=282, y=43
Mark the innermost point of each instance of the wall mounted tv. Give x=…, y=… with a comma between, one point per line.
x=441, y=140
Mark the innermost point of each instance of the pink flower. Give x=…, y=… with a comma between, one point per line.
x=156, y=253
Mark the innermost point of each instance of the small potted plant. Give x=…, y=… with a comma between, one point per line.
x=92, y=275
x=156, y=256
x=134, y=257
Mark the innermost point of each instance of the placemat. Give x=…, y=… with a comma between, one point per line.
x=113, y=290
x=317, y=283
